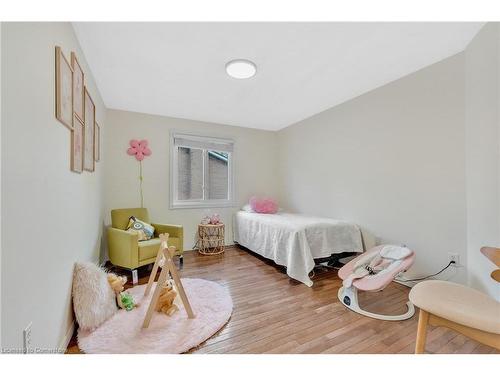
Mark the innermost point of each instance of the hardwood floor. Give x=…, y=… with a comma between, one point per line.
x=275, y=314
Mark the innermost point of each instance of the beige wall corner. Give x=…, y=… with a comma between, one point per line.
x=54, y=215
x=482, y=72
x=392, y=161
x=254, y=167
x=0, y=184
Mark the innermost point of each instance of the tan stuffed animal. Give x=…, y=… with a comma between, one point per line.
x=124, y=299
x=166, y=300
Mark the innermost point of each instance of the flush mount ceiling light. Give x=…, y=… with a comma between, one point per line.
x=241, y=69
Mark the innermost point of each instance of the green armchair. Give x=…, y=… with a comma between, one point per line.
x=124, y=248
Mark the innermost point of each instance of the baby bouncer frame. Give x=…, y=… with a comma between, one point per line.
x=164, y=260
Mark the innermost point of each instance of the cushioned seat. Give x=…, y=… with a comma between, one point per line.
x=124, y=248
x=458, y=303
x=148, y=249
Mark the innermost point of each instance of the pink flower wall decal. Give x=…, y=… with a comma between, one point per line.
x=139, y=148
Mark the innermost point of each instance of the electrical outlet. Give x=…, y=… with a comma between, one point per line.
x=454, y=257
x=27, y=338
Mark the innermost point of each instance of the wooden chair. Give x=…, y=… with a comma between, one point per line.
x=493, y=254
x=457, y=307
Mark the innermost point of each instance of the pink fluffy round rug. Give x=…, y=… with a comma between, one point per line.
x=123, y=332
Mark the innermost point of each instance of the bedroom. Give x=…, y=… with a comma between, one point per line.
x=291, y=164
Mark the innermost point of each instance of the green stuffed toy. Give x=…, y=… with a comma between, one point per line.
x=127, y=301
x=123, y=299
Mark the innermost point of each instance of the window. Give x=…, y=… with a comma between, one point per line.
x=201, y=172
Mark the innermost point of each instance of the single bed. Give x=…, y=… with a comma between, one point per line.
x=294, y=240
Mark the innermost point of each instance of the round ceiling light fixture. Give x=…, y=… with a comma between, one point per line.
x=241, y=69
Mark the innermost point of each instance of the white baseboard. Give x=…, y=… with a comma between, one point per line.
x=67, y=337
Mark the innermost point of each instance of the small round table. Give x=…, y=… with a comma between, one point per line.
x=210, y=239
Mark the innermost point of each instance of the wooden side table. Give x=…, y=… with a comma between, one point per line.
x=210, y=239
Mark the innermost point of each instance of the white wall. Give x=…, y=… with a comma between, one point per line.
x=254, y=167
x=0, y=184
x=482, y=64
x=391, y=160
x=51, y=217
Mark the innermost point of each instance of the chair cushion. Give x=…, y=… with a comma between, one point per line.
x=144, y=230
x=458, y=303
x=148, y=249
x=380, y=280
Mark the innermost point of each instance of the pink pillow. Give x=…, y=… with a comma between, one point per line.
x=263, y=206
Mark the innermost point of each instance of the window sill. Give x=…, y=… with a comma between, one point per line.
x=198, y=204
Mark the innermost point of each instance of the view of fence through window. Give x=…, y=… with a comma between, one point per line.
x=190, y=174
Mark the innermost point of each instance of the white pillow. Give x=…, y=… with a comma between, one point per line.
x=247, y=208
x=93, y=299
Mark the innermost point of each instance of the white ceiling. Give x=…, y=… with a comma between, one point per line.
x=178, y=69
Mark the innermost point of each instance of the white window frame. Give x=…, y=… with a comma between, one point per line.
x=200, y=203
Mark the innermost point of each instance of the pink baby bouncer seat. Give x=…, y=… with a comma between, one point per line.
x=372, y=272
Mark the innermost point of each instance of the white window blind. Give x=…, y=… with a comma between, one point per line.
x=206, y=143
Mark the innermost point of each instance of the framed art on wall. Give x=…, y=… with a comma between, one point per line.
x=77, y=145
x=64, y=90
x=97, y=145
x=78, y=88
x=89, y=133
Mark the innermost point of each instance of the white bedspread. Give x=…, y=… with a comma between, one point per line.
x=294, y=240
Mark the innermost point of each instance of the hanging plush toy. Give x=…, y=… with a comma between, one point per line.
x=140, y=150
x=166, y=302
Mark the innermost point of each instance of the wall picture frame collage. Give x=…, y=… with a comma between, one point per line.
x=75, y=109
